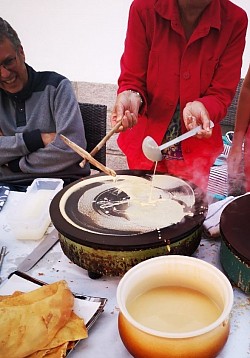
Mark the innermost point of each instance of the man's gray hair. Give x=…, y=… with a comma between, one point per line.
x=6, y=31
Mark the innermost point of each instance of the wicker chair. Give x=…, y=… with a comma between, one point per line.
x=219, y=184
x=227, y=124
x=94, y=118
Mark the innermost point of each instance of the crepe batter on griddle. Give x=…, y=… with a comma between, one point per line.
x=133, y=203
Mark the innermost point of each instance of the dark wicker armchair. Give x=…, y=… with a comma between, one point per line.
x=94, y=118
x=227, y=124
x=219, y=184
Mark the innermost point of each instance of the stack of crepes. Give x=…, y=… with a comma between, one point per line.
x=40, y=323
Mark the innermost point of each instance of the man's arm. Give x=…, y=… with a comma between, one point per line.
x=55, y=155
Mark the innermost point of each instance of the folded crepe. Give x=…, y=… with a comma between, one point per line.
x=57, y=352
x=40, y=323
x=64, y=339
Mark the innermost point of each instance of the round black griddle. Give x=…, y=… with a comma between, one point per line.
x=101, y=221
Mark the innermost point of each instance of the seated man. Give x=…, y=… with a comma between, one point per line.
x=35, y=108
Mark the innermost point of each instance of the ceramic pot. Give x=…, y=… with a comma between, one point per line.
x=181, y=271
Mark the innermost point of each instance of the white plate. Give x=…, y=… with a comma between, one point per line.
x=87, y=307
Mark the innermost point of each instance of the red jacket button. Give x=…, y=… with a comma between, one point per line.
x=186, y=75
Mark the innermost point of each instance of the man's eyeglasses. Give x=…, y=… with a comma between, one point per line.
x=9, y=63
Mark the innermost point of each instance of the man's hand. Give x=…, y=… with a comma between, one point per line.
x=47, y=138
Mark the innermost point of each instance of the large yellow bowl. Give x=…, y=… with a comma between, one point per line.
x=183, y=271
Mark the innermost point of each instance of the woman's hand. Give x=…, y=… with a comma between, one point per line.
x=195, y=114
x=126, y=109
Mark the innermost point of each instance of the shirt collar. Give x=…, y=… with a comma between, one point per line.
x=211, y=16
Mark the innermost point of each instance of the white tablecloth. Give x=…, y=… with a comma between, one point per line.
x=104, y=339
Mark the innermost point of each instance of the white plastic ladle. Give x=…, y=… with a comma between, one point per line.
x=153, y=152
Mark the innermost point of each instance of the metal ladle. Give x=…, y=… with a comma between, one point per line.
x=153, y=152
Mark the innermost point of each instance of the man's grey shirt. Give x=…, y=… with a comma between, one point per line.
x=46, y=104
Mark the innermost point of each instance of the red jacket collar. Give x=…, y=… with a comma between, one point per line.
x=169, y=10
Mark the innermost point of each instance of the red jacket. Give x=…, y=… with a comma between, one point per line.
x=164, y=68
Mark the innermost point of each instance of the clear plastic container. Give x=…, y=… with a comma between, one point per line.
x=31, y=217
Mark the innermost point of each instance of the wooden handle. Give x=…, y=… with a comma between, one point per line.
x=84, y=154
x=101, y=143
